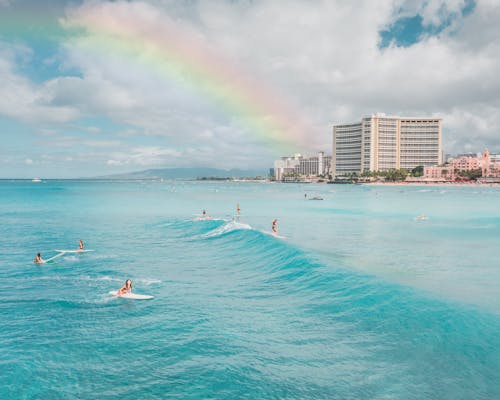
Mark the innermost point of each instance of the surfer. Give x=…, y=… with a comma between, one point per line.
x=127, y=288
x=275, y=226
x=80, y=245
x=38, y=259
x=204, y=214
x=238, y=209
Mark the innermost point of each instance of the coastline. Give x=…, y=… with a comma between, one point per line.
x=472, y=184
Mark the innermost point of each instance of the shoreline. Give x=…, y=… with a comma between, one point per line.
x=253, y=180
x=445, y=184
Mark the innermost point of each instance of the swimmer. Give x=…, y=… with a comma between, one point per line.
x=80, y=245
x=127, y=288
x=38, y=259
x=275, y=226
x=204, y=213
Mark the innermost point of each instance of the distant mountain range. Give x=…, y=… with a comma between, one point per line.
x=188, y=173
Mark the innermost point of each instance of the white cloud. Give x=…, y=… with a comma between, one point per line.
x=114, y=163
x=315, y=64
x=326, y=57
x=144, y=156
x=433, y=12
x=19, y=97
x=74, y=142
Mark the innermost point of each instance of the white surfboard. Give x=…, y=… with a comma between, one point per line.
x=274, y=235
x=52, y=258
x=73, y=251
x=132, y=296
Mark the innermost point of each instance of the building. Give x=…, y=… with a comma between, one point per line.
x=299, y=167
x=455, y=168
x=495, y=158
x=469, y=154
x=285, y=166
x=380, y=143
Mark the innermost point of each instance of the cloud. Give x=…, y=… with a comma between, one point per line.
x=20, y=98
x=73, y=142
x=434, y=13
x=144, y=156
x=326, y=58
x=314, y=63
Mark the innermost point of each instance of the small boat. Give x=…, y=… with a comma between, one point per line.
x=36, y=180
x=316, y=198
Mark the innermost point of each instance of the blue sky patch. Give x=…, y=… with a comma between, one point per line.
x=407, y=31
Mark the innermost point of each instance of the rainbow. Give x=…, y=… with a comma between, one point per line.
x=172, y=51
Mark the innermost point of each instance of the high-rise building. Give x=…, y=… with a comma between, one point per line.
x=380, y=143
x=299, y=166
x=285, y=166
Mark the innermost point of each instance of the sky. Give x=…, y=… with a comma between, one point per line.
x=91, y=88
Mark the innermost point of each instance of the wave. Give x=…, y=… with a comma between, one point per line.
x=227, y=228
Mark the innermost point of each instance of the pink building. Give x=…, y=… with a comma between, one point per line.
x=449, y=172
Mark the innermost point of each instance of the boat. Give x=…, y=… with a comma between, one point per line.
x=316, y=198
x=36, y=180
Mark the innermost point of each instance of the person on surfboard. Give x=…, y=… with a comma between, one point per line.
x=127, y=288
x=80, y=245
x=275, y=226
x=38, y=259
x=238, y=209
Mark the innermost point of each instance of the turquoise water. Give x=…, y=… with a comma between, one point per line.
x=360, y=301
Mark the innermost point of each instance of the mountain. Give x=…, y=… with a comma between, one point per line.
x=188, y=173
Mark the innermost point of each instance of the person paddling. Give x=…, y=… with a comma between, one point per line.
x=39, y=259
x=80, y=245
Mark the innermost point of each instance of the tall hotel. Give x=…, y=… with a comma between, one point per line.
x=380, y=143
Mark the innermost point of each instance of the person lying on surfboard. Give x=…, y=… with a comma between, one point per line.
x=80, y=245
x=38, y=259
x=127, y=288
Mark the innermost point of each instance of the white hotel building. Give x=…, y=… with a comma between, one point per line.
x=299, y=166
x=380, y=143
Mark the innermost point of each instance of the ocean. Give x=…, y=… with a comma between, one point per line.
x=356, y=299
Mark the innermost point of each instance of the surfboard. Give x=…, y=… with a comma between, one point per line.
x=274, y=235
x=73, y=251
x=203, y=218
x=132, y=296
x=52, y=258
